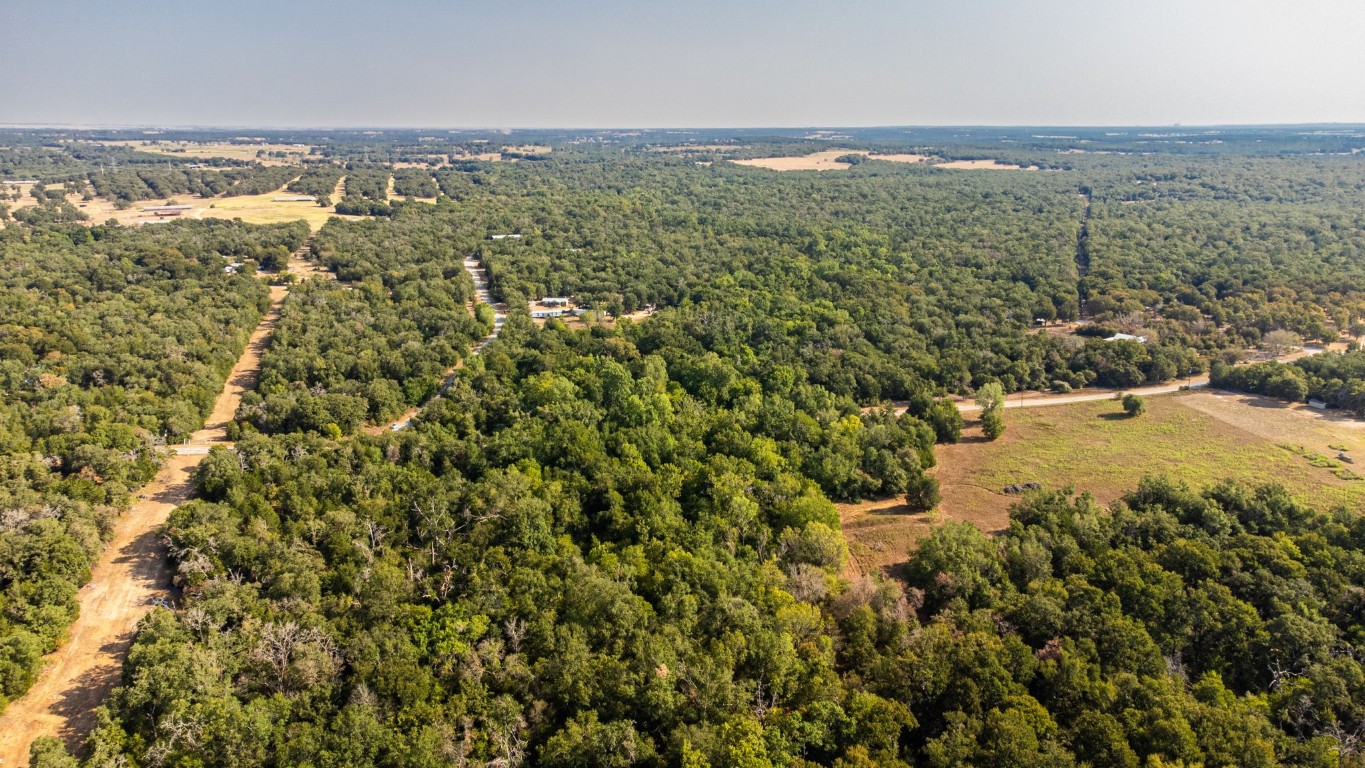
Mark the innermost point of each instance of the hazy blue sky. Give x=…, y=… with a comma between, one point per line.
x=589, y=63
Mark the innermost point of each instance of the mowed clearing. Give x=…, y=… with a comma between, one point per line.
x=824, y=161
x=984, y=165
x=263, y=209
x=1199, y=438
x=253, y=209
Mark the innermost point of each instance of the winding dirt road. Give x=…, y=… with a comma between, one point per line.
x=130, y=578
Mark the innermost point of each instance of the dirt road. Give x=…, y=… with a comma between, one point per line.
x=480, y=277
x=1039, y=399
x=130, y=578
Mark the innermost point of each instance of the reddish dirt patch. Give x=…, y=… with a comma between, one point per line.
x=880, y=534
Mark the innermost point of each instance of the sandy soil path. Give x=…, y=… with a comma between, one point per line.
x=130, y=578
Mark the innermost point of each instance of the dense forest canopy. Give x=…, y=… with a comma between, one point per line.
x=615, y=543
x=110, y=343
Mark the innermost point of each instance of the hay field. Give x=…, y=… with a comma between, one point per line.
x=262, y=209
x=824, y=161
x=984, y=165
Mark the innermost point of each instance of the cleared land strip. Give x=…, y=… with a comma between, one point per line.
x=480, y=277
x=130, y=578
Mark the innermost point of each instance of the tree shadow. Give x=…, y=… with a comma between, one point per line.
x=77, y=704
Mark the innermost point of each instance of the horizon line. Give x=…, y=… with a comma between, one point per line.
x=502, y=129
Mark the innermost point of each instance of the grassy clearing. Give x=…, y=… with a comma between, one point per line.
x=1094, y=447
x=984, y=165
x=193, y=150
x=1199, y=438
x=823, y=161
x=262, y=209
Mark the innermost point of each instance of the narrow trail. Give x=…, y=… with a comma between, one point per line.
x=483, y=296
x=131, y=576
x=1083, y=250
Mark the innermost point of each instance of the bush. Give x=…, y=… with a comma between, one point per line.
x=1134, y=405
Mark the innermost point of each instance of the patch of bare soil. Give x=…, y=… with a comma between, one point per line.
x=1281, y=422
x=880, y=534
x=964, y=496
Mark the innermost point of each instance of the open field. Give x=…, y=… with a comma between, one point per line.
x=823, y=161
x=880, y=533
x=902, y=158
x=262, y=209
x=1280, y=422
x=1198, y=437
x=253, y=209
x=984, y=165
x=228, y=151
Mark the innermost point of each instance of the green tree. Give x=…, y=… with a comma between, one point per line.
x=1134, y=405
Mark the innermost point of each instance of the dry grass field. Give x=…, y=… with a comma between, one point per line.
x=984, y=165
x=697, y=148
x=229, y=151
x=262, y=209
x=253, y=209
x=901, y=158
x=1200, y=438
x=824, y=161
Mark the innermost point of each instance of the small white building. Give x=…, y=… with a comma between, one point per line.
x=294, y=199
x=1127, y=337
x=166, y=208
x=505, y=237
